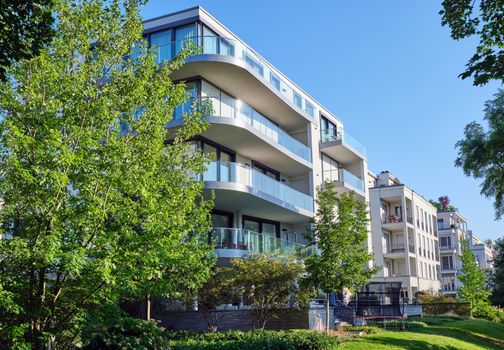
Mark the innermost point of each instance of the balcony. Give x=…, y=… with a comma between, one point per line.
x=447, y=248
x=340, y=145
x=397, y=248
x=236, y=110
x=349, y=182
x=233, y=66
x=257, y=189
x=236, y=242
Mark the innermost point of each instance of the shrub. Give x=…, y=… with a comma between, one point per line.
x=129, y=333
x=253, y=340
x=365, y=329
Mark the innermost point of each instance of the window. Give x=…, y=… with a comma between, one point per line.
x=275, y=81
x=210, y=42
x=266, y=170
x=254, y=64
x=328, y=130
x=183, y=35
x=261, y=226
x=162, y=42
x=446, y=263
x=298, y=101
x=222, y=219
x=309, y=109
x=330, y=169
x=417, y=217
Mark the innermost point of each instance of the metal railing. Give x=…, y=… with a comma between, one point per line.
x=446, y=247
x=235, y=109
x=334, y=134
x=255, y=242
x=398, y=248
x=215, y=45
x=245, y=175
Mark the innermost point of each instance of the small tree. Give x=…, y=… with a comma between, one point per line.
x=341, y=232
x=220, y=289
x=267, y=282
x=474, y=281
x=96, y=205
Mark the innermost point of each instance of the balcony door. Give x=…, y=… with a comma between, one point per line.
x=268, y=232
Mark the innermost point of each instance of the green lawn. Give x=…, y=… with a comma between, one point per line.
x=440, y=334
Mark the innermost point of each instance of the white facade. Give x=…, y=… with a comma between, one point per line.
x=452, y=229
x=272, y=142
x=483, y=253
x=404, y=237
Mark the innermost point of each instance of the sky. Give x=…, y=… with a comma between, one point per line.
x=388, y=70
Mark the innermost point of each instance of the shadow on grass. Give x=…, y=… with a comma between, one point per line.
x=462, y=334
x=407, y=343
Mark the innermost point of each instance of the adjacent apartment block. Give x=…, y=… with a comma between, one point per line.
x=404, y=236
x=452, y=229
x=483, y=253
x=273, y=144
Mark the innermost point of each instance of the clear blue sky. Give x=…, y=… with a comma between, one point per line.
x=387, y=69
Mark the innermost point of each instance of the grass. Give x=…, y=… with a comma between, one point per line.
x=441, y=333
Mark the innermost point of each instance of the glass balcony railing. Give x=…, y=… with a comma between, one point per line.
x=254, y=242
x=245, y=175
x=215, y=45
x=352, y=180
x=330, y=135
x=235, y=109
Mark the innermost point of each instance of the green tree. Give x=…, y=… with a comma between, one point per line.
x=25, y=28
x=220, y=289
x=484, y=19
x=474, y=287
x=267, y=283
x=340, y=233
x=481, y=153
x=96, y=205
x=497, y=296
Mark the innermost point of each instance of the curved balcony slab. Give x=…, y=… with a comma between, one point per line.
x=233, y=74
x=238, y=187
x=251, y=143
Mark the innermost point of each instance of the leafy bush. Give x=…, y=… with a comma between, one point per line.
x=253, y=340
x=129, y=333
x=365, y=329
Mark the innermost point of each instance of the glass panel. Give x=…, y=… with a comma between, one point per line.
x=183, y=35
x=162, y=40
x=211, y=173
x=210, y=44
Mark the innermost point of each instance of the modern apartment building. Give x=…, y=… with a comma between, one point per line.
x=452, y=229
x=404, y=236
x=483, y=253
x=273, y=144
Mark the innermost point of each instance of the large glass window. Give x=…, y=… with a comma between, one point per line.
x=210, y=42
x=328, y=129
x=162, y=40
x=263, y=226
x=446, y=263
x=330, y=169
x=222, y=219
x=184, y=108
x=183, y=35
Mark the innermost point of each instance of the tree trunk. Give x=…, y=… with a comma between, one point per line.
x=327, y=313
x=147, y=307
